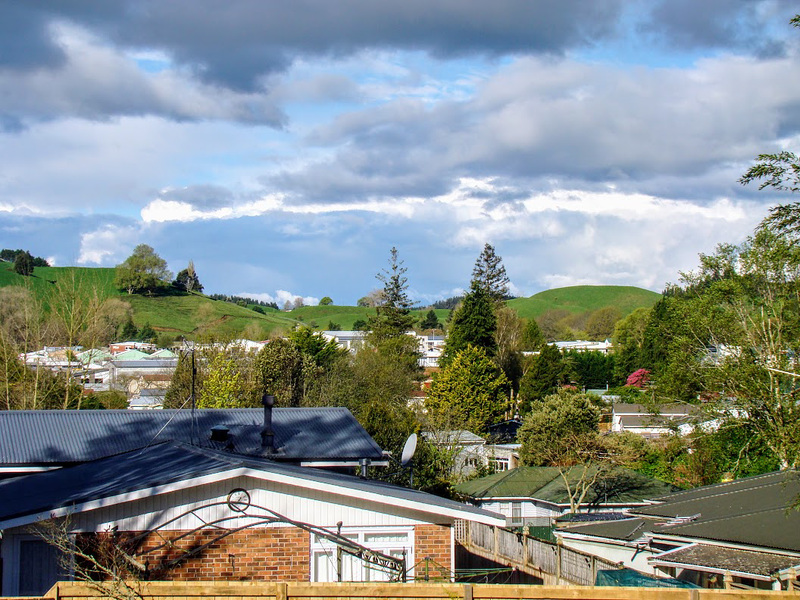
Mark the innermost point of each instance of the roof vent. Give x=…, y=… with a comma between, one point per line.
x=219, y=433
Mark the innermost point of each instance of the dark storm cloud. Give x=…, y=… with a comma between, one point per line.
x=234, y=43
x=728, y=24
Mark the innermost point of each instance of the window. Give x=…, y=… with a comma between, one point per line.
x=393, y=542
x=499, y=464
x=516, y=513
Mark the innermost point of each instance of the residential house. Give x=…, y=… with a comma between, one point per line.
x=651, y=422
x=471, y=452
x=539, y=495
x=215, y=494
x=742, y=533
x=118, y=347
x=182, y=512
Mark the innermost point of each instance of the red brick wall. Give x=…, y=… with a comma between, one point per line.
x=432, y=542
x=271, y=554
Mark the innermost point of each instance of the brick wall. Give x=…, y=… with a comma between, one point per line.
x=432, y=542
x=268, y=554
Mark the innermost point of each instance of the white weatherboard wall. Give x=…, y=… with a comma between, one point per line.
x=321, y=508
x=615, y=552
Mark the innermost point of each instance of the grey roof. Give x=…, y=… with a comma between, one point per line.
x=720, y=558
x=55, y=437
x=145, y=363
x=665, y=410
x=755, y=511
x=171, y=462
x=624, y=529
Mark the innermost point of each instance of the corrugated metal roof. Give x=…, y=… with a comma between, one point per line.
x=172, y=462
x=754, y=511
x=63, y=437
x=623, y=529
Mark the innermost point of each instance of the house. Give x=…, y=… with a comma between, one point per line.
x=651, y=422
x=121, y=372
x=538, y=495
x=33, y=441
x=742, y=533
x=119, y=347
x=471, y=452
x=185, y=512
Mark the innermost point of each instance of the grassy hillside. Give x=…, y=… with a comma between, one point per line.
x=188, y=315
x=345, y=316
x=583, y=298
x=194, y=315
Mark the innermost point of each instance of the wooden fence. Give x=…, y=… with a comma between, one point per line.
x=553, y=562
x=251, y=590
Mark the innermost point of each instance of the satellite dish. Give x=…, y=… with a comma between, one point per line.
x=408, y=450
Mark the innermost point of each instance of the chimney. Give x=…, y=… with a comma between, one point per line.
x=267, y=435
x=219, y=433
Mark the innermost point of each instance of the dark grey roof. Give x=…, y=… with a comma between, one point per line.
x=65, y=437
x=755, y=511
x=722, y=559
x=171, y=462
x=624, y=529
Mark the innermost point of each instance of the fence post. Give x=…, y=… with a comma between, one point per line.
x=467, y=591
x=558, y=563
x=496, y=531
x=281, y=591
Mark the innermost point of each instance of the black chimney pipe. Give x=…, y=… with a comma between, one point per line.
x=267, y=435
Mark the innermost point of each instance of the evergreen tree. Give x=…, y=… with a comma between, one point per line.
x=473, y=323
x=490, y=274
x=393, y=318
x=187, y=280
x=470, y=393
x=547, y=372
x=430, y=321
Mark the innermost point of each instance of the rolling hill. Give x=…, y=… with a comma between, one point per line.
x=195, y=315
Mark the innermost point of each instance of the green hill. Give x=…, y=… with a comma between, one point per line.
x=584, y=298
x=195, y=315
x=178, y=314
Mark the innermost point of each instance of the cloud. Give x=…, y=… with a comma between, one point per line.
x=110, y=244
x=281, y=298
x=97, y=82
x=236, y=44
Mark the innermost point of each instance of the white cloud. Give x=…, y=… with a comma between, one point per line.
x=107, y=246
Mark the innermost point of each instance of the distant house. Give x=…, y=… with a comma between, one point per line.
x=118, y=347
x=471, y=452
x=122, y=372
x=585, y=346
x=538, y=495
x=743, y=533
x=651, y=422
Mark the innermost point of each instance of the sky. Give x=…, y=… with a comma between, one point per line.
x=286, y=147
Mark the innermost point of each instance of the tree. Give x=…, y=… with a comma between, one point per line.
x=279, y=371
x=532, y=338
x=473, y=323
x=628, y=343
x=563, y=432
x=470, y=393
x=490, y=274
x=547, y=372
x=224, y=385
x=601, y=322
x=187, y=280
x=394, y=314
x=430, y=321
x=23, y=264
x=144, y=271
x=326, y=301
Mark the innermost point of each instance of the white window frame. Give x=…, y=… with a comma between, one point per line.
x=360, y=571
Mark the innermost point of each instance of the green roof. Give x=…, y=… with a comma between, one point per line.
x=619, y=486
